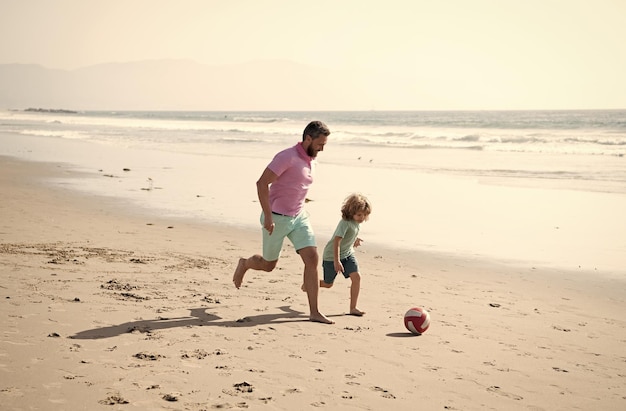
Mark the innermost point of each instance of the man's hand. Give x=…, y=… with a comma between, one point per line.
x=268, y=224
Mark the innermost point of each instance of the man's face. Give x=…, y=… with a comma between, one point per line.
x=314, y=146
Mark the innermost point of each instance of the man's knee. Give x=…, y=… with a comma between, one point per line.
x=270, y=265
x=261, y=263
x=309, y=256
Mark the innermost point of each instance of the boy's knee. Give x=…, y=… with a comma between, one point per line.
x=355, y=276
x=325, y=284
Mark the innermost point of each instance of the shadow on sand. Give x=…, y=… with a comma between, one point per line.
x=197, y=317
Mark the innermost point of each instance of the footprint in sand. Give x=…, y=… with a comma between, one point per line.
x=497, y=390
x=148, y=356
x=221, y=406
x=113, y=399
x=385, y=393
x=244, y=387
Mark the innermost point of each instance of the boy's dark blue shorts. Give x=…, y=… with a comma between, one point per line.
x=350, y=266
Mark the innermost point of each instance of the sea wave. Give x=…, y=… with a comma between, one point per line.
x=567, y=132
x=254, y=119
x=604, y=142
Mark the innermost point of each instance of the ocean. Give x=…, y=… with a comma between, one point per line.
x=536, y=188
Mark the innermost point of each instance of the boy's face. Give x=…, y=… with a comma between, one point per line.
x=359, y=217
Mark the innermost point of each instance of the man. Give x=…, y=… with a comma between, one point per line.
x=282, y=190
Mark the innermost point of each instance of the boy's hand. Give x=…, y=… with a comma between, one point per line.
x=357, y=242
x=338, y=267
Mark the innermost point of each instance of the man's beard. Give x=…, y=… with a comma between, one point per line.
x=310, y=152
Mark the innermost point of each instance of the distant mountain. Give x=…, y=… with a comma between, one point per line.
x=184, y=85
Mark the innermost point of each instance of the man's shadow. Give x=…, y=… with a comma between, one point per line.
x=198, y=317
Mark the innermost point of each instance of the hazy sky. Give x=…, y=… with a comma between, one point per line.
x=480, y=54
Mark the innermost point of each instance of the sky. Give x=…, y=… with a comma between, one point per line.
x=465, y=54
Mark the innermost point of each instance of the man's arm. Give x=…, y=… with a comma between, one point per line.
x=263, y=191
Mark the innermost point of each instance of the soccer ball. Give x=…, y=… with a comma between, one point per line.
x=417, y=320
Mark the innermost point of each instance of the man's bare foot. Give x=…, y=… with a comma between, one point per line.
x=320, y=318
x=239, y=272
x=357, y=312
x=303, y=288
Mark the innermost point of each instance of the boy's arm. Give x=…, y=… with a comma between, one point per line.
x=336, y=246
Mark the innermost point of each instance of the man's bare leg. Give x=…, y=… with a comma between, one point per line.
x=311, y=283
x=256, y=262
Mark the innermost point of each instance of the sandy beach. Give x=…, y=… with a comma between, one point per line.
x=107, y=307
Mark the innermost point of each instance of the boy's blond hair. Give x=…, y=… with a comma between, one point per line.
x=353, y=204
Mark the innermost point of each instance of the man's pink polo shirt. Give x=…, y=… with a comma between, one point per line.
x=294, y=169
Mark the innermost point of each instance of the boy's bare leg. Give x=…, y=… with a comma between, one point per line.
x=311, y=283
x=355, y=287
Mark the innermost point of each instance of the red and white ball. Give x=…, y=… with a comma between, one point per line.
x=417, y=320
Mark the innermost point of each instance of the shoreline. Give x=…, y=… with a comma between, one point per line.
x=477, y=215
x=105, y=304
x=130, y=212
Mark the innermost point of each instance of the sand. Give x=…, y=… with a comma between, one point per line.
x=106, y=307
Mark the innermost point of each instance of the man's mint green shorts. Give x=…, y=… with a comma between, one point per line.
x=297, y=229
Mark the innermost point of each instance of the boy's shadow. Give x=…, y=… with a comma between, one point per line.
x=198, y=317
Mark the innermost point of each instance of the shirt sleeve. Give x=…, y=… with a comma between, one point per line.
x=280, y=163
x=341, y=229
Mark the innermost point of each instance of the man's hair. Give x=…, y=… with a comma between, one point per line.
x=355, y=203
x=315, y=129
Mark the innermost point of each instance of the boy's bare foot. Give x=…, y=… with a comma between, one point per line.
x=239, y=272
x=320, y=318
x=303, y=288
x=357, y=312
x=325, y=285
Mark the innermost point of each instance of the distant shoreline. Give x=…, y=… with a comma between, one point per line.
x=165, y=110
x=51, y=110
